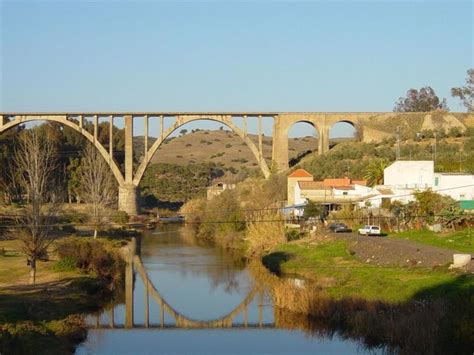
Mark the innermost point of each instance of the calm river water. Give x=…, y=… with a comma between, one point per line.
x=202, y=284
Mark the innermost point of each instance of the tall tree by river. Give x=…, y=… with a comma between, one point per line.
x=35, y=164
x=97, y=184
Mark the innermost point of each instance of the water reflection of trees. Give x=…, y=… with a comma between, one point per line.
x=414, y=327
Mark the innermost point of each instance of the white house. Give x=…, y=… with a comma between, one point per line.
x=410, y=174
x=405, y=177
x=332, y=193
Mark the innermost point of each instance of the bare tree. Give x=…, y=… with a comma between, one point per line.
x=35, y=164
x=97, y=184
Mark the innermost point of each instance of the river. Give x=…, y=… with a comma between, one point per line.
x=202, y=284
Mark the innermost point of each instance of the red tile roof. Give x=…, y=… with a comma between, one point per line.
x=313, y=185
x=300, y=173
x=337, y=182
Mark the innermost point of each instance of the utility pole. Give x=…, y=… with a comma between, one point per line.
x=435, y=148
x=398, y=142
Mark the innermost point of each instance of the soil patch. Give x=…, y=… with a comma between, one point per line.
x=396, y=252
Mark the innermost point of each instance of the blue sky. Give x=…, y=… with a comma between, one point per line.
x=230, y=56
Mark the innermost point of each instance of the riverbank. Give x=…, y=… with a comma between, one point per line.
x=341, y=267
x=47, y=317
x=339, y=289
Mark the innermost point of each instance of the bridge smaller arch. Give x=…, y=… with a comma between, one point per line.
x=310, y=130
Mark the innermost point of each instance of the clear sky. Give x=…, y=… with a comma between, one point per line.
x=230, y=56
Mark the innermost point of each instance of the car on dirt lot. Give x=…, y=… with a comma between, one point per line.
x=339, y=228
x=370, y=230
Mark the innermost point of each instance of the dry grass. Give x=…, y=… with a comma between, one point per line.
x=14, y=271
x=195, y=146
x=262, y=234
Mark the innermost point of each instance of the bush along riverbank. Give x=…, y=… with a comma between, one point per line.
x=235, y=219
x=49, y=317
x=409, y=309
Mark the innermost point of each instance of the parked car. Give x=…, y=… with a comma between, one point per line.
x=339, y=228
x=370, y=230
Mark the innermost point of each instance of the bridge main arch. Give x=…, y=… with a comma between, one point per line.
x=183, y=120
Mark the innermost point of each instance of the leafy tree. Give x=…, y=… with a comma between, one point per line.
x=312, y=209
x=183, y=132
x=466, y=93
x=424, y=100
x=375, y=170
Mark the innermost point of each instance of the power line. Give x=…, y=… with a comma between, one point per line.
x=269, y=209
x=280, y=220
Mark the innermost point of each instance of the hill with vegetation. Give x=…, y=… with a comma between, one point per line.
x=224, y=148
x=451, y=154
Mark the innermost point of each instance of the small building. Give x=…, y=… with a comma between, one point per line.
x=217, y=189
x=293, y=179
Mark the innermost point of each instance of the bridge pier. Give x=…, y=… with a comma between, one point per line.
x=129, y=199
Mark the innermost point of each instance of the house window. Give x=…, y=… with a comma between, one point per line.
x=436, y=181
x=344, y=192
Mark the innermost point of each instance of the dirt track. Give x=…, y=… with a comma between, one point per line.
x=395, y=252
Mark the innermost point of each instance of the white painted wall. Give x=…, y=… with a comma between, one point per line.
x=410, y=174
x=297, y=195
x=461, y=185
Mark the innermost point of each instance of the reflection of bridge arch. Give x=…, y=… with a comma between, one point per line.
x=181, y=320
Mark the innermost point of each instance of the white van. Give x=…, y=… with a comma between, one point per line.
x=370, y=230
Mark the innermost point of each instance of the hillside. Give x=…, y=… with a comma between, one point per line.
x=224, y=148
x=453, y=154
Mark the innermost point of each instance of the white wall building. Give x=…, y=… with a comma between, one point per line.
x=410, y=174
x=405, y=177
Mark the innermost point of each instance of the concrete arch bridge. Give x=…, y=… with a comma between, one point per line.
x=369, y=127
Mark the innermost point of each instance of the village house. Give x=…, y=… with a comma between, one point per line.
x=401, y=180
x=332, y=193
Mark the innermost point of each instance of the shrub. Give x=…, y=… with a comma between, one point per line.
x=120, y=217
x=92, y=257
x=228, y=145
x=65, y=264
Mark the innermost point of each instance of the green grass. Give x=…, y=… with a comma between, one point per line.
x=345, y=276
x=462, y=241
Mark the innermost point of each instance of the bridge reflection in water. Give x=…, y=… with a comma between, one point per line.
x=180, y=321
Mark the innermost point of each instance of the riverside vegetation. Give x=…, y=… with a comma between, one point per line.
x=80, y=276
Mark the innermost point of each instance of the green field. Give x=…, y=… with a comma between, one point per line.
x=340, y=274
x=462, y=241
